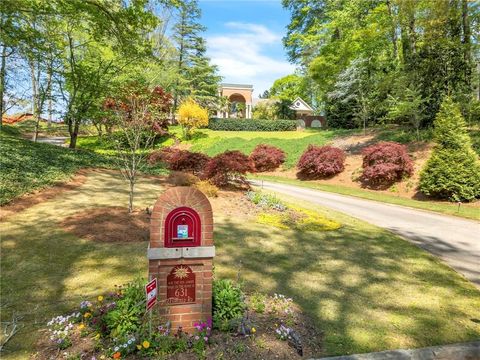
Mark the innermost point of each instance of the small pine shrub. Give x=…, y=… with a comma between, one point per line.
x=453, y=170
x=266, y=157
x=319, y=162
x=207, y=188
x=385, y=163
x=184, y=160
x=227, y=168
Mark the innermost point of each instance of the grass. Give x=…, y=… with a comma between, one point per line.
x=27, y=128
x=467, y=211
x=26, y=166
x=293, y=143
x=366, y=288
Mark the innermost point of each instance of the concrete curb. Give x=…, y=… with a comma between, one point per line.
x=463, y=351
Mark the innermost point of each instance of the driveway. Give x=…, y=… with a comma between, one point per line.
x=54, y=140
x=455, y=240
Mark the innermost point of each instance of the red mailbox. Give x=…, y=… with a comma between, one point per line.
x=182, y=228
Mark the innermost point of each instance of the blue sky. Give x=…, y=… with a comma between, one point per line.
x=244, y=38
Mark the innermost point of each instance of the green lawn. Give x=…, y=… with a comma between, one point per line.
x=365, y=288
x=468, y=211
x=26, y=166
x=293, y=143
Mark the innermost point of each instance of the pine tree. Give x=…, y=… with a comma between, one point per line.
x=197, y=78
x=453, y=170
x=203, y=78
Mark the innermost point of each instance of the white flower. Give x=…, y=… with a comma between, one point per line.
x=116, y=348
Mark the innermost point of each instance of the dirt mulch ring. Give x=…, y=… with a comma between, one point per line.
x=24, y=202
x=109, y=224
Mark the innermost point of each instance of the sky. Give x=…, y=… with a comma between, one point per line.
x=244, y=38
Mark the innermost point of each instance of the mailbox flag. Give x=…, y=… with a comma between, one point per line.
x=151, y=292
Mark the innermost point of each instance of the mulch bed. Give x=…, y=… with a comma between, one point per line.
x=109, y=224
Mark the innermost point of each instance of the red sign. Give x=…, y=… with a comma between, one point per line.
x=180, y=285
x=151, y=292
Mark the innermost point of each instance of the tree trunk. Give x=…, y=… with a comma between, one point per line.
x=35, y=95
x=2, y=81
x=50, y=102
x=130, y=195
x=394, y=30
x=73, y=130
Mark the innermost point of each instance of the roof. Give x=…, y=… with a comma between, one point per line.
x=257, y=101
x=300, y=105
x=236, y=86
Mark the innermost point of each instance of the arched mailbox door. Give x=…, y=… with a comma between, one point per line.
x=182, y=228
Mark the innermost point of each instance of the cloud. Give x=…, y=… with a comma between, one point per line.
x=242, y=55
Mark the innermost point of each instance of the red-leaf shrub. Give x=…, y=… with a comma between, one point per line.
x=267, y=157
x=228, y=168
x=385, y=162
x=179, y=160
x=161, y=156
x=320, y=162
x=184, y=160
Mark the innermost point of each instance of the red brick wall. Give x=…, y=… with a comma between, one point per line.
x=187, y=314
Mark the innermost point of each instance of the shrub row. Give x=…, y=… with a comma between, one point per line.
x=383, y=163
x=251, y=125
x=229, y=167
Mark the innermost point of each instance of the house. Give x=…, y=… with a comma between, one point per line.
x=240, y=101
x=305, y=115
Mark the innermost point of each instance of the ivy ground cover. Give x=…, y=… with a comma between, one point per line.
x=365, y=288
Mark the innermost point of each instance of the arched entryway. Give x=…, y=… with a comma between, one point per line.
x=240, y=101
x=237, y=108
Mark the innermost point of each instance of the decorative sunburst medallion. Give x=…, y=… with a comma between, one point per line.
x=181, y=272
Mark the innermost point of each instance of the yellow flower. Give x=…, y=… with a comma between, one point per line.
x=100, y=298
x=146, y=344
x=81, y=326
x=139, y=347
x=87, y=315
x=254, y=330
x=97, y=336
x=102, y=357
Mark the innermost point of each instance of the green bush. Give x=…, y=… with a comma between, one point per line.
x=228, y=304
x=126, y=317
x=453, y=170
x=251, y=125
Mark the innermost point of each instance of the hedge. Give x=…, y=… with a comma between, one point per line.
x=251, y=125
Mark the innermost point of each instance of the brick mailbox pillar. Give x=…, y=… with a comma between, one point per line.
x=181, y=255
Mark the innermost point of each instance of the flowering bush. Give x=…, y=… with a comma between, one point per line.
x=191, y=116
x=60, y=328
x=283, y=332
x=265, y=200
x=227, y=168
x=267, y=157
x=319, y=162
x=385, y=162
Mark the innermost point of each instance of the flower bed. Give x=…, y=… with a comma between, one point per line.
x=115, y=326
x=276, y=213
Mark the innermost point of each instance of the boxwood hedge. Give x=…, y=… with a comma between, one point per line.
x=251, y=125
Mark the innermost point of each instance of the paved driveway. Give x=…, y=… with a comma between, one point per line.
x=455, y=240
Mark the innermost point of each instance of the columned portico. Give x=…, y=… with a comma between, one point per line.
x=240, y=101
